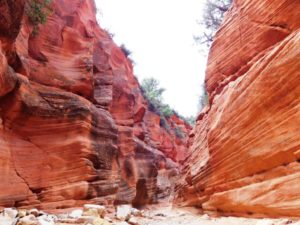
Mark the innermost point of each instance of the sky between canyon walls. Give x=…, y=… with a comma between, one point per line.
x=160, y=35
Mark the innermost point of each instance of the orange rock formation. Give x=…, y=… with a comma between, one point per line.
x=245, y=156
x=74, y=125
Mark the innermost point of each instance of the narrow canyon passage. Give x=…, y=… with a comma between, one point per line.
x=81, y=142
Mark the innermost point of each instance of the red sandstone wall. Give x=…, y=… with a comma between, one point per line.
x=73, y=122
x=245, y=156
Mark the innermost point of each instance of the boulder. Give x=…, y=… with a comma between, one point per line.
x=28, y=220
x=94, y=210
x=123, y=212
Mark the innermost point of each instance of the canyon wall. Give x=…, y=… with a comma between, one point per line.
x=245, y=158
x=74, y=125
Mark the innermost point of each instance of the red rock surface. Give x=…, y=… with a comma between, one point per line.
x=74, y=125
x=245, y=156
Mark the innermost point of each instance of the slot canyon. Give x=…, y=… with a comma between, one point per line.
x=80, y=144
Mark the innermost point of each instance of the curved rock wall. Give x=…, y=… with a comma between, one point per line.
x=73, y=120
x=245, y=156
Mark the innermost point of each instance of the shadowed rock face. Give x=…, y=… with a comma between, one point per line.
x=74, y=125
x=245, y=154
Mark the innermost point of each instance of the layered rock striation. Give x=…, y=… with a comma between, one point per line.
x=74, y=125
x=245, y=156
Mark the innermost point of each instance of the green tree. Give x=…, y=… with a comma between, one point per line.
x=213, y=15
x=153, y=93
x=38, y=11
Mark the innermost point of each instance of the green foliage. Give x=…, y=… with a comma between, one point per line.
x=125, y=50
x=213, y=15
x=153, y=93
x=204, y=98
x=38, y=11
x=164, y=123
x=166, y=110
x=179, y=133
x=190, y=120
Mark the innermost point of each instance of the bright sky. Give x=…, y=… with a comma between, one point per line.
x=160, y=35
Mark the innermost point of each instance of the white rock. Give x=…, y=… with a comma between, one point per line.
x=121, y=223
x=123, y=212
x=205, y=217
x=94, y=210
x=76, y=213
x=8, y=216
x=28, y=220
x=133, y=221
x=136, y=212
x=34, y=212
x=10, y=213
x=22, y=213
x=7, y=220
x=47, y=219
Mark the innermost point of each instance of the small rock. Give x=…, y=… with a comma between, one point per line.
x=85, y=219
x=205, y=217
x=29, y=220
x=22, y=213
x=123, y=212
x=47, y=219
x=285, y=222
x=133, y=221
x=121, y=223
x=76, y=213
x=100, y=221
x=34, y=212
x=161, y=215
x=94, y=210
x=108, y=219
x=8, y=216
x=136, y=212
x=10, y=213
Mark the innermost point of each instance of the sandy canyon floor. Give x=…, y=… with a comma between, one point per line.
x=125, y=215
x=187, y=216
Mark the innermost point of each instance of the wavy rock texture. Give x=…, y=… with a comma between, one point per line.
x=74, y=125
x=245, y=156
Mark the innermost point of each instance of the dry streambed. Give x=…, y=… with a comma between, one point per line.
x=126, y=215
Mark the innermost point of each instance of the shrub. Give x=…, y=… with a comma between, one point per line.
x=178, y=132
x=204, y=99
x=190, y=120
x=125, y=50
x=164, y=123
x=213, y=15
x=38, y=11
x=166, y=111
x=153, y=94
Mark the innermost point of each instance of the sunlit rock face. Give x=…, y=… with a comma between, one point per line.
x=74, y=125
x=245, y=155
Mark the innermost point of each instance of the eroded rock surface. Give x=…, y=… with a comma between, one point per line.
x=73, y=120
x=245, y=156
